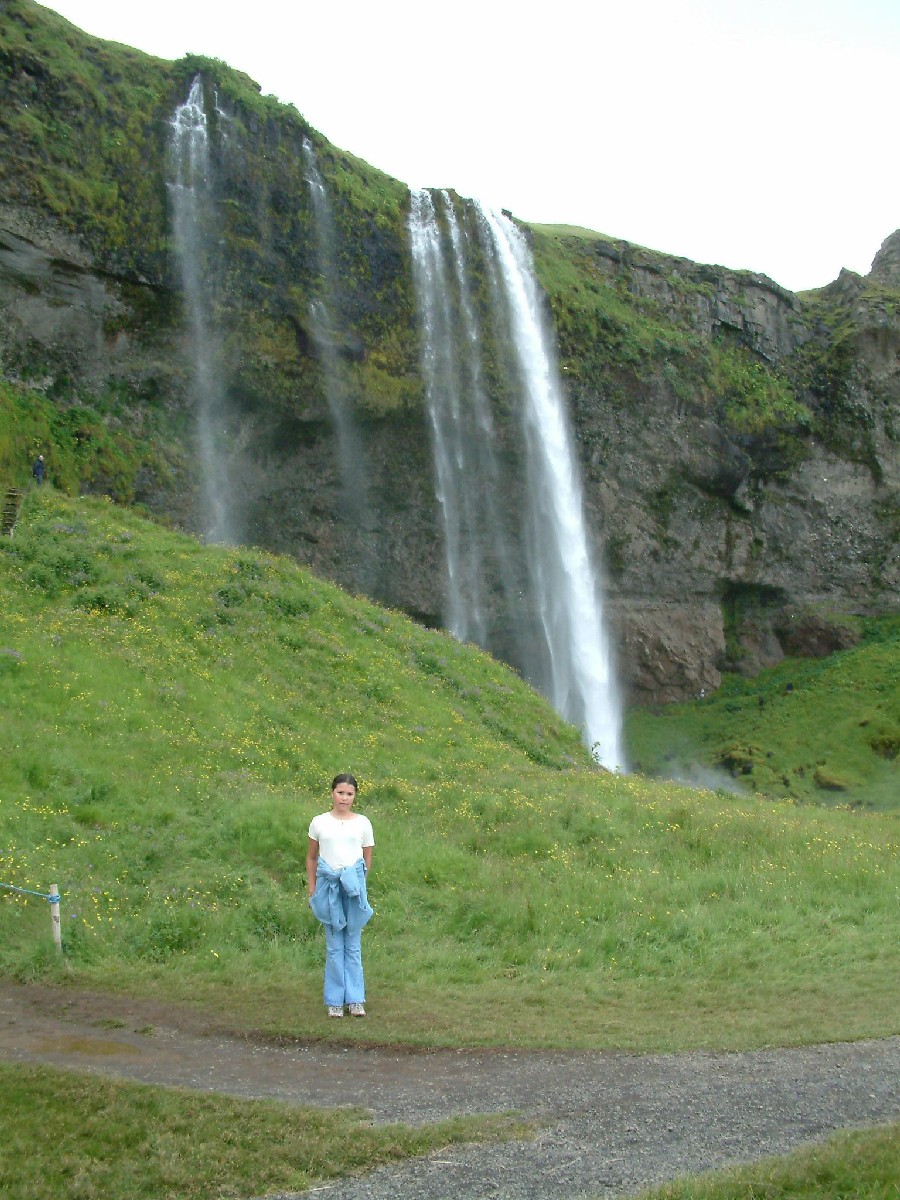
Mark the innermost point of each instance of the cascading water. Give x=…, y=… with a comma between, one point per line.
x=463, y=439
x=582, y=685
x=487, y=556
x=191, y=197
x=443, y=386
x=563, y=647
x=325, y=326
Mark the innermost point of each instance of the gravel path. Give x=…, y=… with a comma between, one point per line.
x=610, y=1123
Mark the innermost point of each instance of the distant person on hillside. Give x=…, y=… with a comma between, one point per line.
x=337, y=862
x=38, y=469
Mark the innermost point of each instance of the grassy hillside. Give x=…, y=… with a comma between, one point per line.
x=104, y=441
x=172, y=714
x=816, y=730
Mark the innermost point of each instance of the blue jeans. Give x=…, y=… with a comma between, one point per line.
x=343, y=961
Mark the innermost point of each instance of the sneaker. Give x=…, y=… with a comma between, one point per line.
x=357, y=1010
x=335, y=1011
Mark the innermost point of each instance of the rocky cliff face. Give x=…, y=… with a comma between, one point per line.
x=738, y=443
x=741, y=528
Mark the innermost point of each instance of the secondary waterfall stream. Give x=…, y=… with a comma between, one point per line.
x=190, y=192
x=451, y=438
x=327, y=332
x=546, y=598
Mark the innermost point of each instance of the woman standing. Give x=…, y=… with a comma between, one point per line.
x=337, y=862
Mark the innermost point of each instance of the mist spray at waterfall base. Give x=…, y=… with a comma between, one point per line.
x=566, y=653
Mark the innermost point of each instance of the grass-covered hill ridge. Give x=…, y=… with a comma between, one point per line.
x=172, y=714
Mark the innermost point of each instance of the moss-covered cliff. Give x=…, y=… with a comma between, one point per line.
x=741, y=450
x=739, y=443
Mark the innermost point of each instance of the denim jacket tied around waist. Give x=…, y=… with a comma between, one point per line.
x=333, y=888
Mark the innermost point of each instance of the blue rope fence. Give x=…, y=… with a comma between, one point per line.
x=28, y=892
x=52, y=896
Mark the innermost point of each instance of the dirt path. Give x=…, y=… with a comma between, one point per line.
x=609, y=1123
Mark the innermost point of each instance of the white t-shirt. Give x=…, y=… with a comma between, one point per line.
x=341, y=842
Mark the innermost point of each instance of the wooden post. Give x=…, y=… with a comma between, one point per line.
x=54, y=916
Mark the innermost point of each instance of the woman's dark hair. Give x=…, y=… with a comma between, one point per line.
x=344, y=779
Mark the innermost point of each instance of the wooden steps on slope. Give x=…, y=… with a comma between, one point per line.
x=12, y=502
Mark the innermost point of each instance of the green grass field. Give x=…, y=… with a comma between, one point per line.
x=172, y=716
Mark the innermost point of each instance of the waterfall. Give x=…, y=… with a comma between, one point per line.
x=488, y=548
x=547, y=584
x=191, y=196
x=582, y=685
x=443, y=386
x=327, y=334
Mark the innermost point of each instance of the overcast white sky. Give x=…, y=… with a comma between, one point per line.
x=759, y=134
